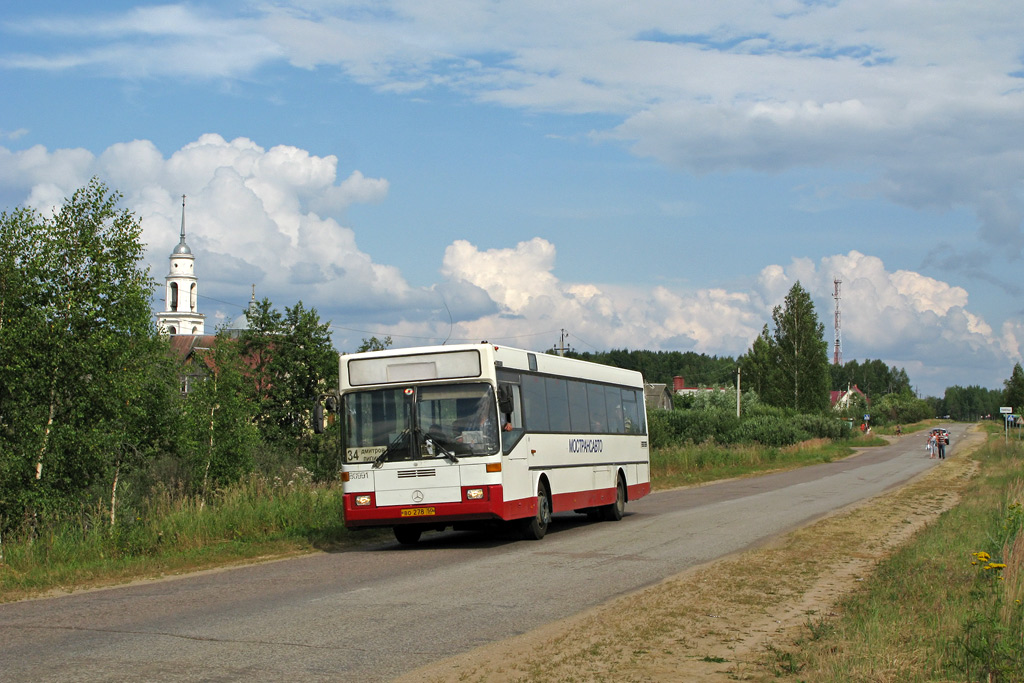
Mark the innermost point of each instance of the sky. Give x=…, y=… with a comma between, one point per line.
x=650, y=175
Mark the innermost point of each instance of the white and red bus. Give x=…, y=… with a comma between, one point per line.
x=460, y=435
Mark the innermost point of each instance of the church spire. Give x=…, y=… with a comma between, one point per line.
x=182, y=248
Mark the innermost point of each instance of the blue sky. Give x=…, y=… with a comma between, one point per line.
x=645, y=175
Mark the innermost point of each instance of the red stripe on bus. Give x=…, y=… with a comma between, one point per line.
x=492, y=507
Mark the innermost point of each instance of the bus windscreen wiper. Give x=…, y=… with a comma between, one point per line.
x=390, y=449
x=416, y=431
x=448, y=455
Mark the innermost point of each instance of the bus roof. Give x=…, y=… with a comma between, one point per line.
x=457, y=365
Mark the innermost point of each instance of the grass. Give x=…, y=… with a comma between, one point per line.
x=696, y=464
x=947, y=606
x=735, y=618
x=173, y=532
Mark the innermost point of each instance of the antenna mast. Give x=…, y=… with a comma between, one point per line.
x=837, y=352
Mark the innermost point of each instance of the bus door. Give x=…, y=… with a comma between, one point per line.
x=510, y=409
x=516, y=479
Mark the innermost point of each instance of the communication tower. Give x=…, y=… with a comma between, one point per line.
x=837, y=352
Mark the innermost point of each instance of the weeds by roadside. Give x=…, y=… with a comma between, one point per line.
x=171, y=532
x=694, y=464
x=948, y=606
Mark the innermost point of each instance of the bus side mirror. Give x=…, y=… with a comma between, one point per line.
x=318, y=416
x=505, y=403
x=331, y=404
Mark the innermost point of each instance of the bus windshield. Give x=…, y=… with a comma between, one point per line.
x=420, y=422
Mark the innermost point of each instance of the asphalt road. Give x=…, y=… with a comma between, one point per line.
x=381, y=611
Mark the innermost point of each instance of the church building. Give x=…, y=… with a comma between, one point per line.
x=180, y=314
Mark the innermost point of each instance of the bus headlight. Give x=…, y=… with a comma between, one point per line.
x=363, y=501
x=474, y=494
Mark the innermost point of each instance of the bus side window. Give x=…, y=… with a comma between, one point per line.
x=632, y=412
x=511, y=423
x=510, y=406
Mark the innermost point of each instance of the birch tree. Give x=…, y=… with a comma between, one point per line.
x=79, y=353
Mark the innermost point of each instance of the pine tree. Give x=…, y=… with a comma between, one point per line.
x=1013, y=395
x=802, y=379
x=759, y=365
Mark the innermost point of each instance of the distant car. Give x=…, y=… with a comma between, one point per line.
x=942, y=430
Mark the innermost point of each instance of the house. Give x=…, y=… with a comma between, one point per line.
x=191, y=349
x=657, y=396
x=679, y=387
x=841, y=399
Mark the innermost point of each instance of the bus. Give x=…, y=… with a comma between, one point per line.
x=473, y=434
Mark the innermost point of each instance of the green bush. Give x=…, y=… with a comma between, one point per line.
x=767, y=425
x=771, y=431
x=822, y=426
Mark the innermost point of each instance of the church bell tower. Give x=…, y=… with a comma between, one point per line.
x=180, y=314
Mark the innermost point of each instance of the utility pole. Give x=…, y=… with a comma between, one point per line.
x=738, y=371
x=562, y=344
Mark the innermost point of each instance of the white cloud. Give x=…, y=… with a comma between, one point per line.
x=247, y=212
x=904, y=318
x=149, y=41
x=249, y=221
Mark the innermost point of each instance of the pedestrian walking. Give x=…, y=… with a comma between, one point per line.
x=940, y=442
x=931, y=446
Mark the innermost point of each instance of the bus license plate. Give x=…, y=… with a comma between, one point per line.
x=417, y=512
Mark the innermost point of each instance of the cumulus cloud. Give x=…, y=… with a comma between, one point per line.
x=250, y=220
x=248, y=213
x=902, y=317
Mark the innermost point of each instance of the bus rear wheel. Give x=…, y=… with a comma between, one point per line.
x=407, y=534
x=534, y=529
x=614, y=512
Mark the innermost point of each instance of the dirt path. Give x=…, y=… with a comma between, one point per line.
x=718, y=622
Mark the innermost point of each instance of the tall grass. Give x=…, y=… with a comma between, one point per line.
x=948, y=606
x=692, y=464
x=171, y=531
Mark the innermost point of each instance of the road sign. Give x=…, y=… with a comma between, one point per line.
x=1006, y=410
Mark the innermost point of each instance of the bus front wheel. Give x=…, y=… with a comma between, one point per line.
x=535, y=528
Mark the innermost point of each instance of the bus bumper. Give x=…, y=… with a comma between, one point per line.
x=493, y=506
